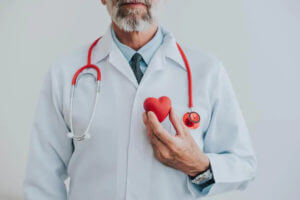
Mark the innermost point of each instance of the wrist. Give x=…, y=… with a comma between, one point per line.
x=200, y=166
x=204, y=179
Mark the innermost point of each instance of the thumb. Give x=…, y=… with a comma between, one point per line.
x=176, y=122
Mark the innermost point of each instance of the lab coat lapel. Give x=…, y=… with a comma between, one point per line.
x=156, y=64
x=168, y=49
x=107, y=47
x=117, y=60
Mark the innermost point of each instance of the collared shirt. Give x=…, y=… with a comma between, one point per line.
x=147, y=51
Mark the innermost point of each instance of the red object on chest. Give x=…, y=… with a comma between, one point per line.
x=161, y=106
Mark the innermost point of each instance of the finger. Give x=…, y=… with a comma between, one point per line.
x=176, y=122
x=148, y=126
x=157, y=154
x=159, y=147
x=145, y=120
x=153, y=138
x=157, y=143
x=159, y=130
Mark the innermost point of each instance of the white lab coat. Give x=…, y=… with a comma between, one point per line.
x=117, y=162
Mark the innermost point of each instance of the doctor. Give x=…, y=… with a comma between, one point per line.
x=130, y=154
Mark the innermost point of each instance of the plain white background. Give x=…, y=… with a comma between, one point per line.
x=258, y=40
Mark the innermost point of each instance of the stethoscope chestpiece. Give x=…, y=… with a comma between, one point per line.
x=191, y=119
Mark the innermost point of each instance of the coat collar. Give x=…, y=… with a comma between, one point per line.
x=170, y=49
x=106, y=46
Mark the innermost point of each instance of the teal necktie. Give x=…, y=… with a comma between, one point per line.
x=135, y=65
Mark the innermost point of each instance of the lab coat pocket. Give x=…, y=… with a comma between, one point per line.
x=197, y=133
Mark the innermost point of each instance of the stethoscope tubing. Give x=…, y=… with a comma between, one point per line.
x=86, y=133
x=76, y=77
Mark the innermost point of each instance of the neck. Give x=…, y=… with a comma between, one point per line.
x=135, y=39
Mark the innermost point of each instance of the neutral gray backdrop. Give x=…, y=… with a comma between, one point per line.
x=258, y=40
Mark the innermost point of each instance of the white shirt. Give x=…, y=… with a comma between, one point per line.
x=117, y=162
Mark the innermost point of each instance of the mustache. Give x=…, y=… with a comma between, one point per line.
x=145, y=2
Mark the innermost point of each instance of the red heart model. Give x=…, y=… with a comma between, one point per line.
x=161, y=106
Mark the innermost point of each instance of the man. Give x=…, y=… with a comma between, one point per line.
x=130, y=154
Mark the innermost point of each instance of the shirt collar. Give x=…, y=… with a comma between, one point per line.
x=169, y=47
x=147, y=51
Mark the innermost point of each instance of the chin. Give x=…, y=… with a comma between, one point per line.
x=133, y=18
x=130, y=25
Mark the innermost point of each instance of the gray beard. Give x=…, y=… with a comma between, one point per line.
x=126, y=18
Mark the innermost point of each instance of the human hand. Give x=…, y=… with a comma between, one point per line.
x=178, y=151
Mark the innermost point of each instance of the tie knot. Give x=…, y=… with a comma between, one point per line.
x=136, y=58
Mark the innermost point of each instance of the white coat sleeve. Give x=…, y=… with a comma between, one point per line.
x=226, y=142
x=49, y=147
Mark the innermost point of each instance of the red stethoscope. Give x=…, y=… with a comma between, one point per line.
x=191, y=119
